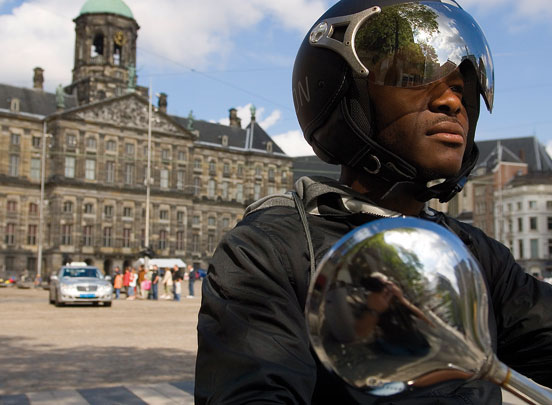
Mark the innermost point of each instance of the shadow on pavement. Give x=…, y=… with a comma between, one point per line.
x=29, y=368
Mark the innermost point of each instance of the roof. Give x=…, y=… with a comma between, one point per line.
x=516, y=150
x=212, y=133
x=32, y=101
x=314, y=166
x=117, y=7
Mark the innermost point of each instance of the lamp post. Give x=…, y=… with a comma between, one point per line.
x=41, y=204
x=148, y=180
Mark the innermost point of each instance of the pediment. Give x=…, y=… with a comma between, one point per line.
x=127, y=111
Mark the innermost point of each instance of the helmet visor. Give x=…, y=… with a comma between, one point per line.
x=416, y=43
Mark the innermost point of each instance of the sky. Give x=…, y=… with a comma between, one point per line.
x=213, y=55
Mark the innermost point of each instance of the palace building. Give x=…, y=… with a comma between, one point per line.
x=91, y=137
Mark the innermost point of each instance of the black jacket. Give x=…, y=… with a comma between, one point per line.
x=253, y=343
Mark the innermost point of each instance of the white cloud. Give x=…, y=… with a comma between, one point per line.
x=272, y=119
x=518, y=10
x=193, y=33
x=293, y=143
x=549, y=148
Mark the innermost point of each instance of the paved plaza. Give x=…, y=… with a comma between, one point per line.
x=133, y=353
x=147, y=346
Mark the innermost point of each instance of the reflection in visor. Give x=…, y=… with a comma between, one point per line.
x=413, y=44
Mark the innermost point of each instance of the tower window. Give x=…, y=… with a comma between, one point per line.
x=98, y=45
x=117, y=53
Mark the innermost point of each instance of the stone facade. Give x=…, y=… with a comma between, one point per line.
x=203, y=175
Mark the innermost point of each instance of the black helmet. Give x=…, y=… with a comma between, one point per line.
x=391, y=42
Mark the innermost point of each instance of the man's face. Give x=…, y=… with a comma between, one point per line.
x=427, y=126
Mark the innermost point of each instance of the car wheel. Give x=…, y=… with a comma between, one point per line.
x=107, y=304
x=95, y=303
x=50, y=298
x=58, y=302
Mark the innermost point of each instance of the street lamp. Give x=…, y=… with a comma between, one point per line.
x=41, y=205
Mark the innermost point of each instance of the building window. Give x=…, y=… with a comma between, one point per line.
x=127, y=212
x=210, y=243
x=211, y=221
x=520, y=246
x=33, y=209
x=90, y=169
x=195, y=220
x=14, y=165
x=271, y=174
x=107, y=236
x=226, y=169
x=180, y=240
x=69, y=166
x=518, y=204
x=533, y=223
x=240, y=170
x=239, y=192
x=87, y=235
x=549, y=205
x=11, y=206
x=129, y=174
x=91, y=143
x=520, y=224
x=534, y=243
x=549, y=219
x=197, y=164
x=256, y=191
x=165, y=154
x=108, y=211
x=195, y=243
x=180, y=217
x=284, y=176
x=164, y=178
x=15, y=139
x=550, y=248
x=180, y=176
x=31, y=234
x=182, y=156
x=224, y=190
x=111, y=146
x=110, y=172
x=225, y=223
x=257, y=171
x=129, y=148
x=126, y=237
x=532, y=205
x=71, y=140
x=68, y=207
x=162, y=240
x=35, y=169
x=67, y=234
x=88, y=208
x=212, y=168
x=164, y=214
x=36, y=142
x=10, y=234
x=211, y=187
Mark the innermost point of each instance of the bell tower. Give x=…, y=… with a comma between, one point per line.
x=105, y=51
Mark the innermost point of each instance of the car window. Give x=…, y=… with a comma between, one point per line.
x=79, y=272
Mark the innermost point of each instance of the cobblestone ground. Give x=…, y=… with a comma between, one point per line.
x=133, y=342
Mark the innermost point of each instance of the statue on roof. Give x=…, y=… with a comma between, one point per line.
x=190, y=125
x=253, y=110
x=60, y=97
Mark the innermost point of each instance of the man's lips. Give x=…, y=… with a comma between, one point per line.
x=449, y=132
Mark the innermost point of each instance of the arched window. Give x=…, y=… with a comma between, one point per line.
x=97, y=50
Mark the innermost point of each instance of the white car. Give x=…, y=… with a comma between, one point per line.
x=80, y=283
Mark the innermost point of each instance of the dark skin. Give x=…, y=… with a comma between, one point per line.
x=427, y=126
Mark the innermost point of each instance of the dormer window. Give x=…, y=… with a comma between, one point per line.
x=224, y=140
x=269, y=147
x=14, y=105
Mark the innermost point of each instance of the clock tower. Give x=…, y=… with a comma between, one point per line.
x=105, y=51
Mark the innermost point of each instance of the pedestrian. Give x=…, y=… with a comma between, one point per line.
x=154, y=283
x=117, y=283
x=390, y=90
x=141, y=278
x=133, y=280
x=126, y=280
x=167, y=283
x=191, y=280
x=177, y=288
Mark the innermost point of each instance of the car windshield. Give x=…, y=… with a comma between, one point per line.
x=80, y=272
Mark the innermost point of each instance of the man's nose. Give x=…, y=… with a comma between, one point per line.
x=445, y=100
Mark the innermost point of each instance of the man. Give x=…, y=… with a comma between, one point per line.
x=390, y=91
